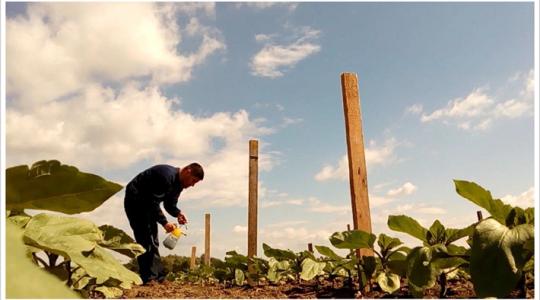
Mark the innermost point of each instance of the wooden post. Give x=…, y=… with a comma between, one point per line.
x=479, y=215
x=357, y=159
x=207, y=240
x=348, y=227
x=193, y=258
x=310, y=247
x=252, y=201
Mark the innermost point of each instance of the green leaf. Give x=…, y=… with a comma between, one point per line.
x=481, y=197
x=110, y=292
x=389, y=282
x=456, y=234
x=398, y=266
x=369, y=265
x=23, y=278
x=117, y=240
x=77, y=240
x=239, y=277
x=49, y=185
x=326, y=251
x=387, y=243
x=407, y=225
x=311, y=268
x=498, y=256
x=354, y=239
x=20, y=219
x=436, y=233
x=278, y=253
x=419, y=269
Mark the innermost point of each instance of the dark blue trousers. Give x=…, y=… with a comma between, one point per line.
x=145, y=229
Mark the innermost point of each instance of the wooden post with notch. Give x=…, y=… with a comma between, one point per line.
x=207, y=239
x=357, y=159
x=252, y=201
x=193, y=258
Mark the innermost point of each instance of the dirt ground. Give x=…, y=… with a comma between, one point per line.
x=171, y=290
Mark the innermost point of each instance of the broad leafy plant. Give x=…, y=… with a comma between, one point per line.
x=502, y=245
x=85, y=264
x=436, y=258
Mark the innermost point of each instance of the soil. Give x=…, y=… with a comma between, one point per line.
x=456, y=289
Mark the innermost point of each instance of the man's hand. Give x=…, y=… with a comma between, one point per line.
x=169, y=227
x=181, y=219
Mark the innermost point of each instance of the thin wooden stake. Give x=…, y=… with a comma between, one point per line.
x=207, y=240
x=348, y=227
x=357, y=159
x=479, y=215
x=252, y=202
x=310, y=247
x=193, y=258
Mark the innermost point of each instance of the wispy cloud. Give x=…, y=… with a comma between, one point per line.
x=375, y=155
x=524, y=200
x=265, y=5
x=481, y=108
x=274, y=59
x=406, y=189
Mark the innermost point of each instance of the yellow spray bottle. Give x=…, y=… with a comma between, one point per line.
x=171, y=240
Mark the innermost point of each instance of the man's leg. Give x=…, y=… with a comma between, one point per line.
x=157, y=270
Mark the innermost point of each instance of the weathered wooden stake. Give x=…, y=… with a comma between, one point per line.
x=193, y=258
x=207, y=240
x=357, y=159
x=310, y=247
x=479, y=215
x=348, y=227
x=252, y=201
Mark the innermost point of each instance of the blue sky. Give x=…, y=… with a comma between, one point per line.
x=446, y=92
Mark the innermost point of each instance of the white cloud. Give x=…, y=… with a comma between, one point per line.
x=480, y=109
x=240, y=229
x=406, y=189
x=274, y=59
x=376, y=201
x=375, y=155
x=317, y=205
x=414, y=109
x=524, y=200
x=265, y=5
x=78, y=43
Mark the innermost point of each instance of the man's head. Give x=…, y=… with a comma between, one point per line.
x=191, y=174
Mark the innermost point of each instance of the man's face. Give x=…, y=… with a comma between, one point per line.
x=190, y=181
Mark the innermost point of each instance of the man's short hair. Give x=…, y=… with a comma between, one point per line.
x=196, y=170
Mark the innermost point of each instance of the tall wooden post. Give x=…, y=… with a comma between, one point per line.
x=357, y=159
x=193, y=258
x=207, y=240
x=252, y=200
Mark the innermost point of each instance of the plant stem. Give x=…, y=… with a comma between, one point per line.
x=442, y=283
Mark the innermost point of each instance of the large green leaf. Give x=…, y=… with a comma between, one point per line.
x=482, y=197
x=77, y=240
x=117, y=240
x=278, y=253
x=388, y=281
x=311, y=268
x=62, y=235
x=354, y=239
x=407, y=225
x=498, y=256
x=239, y=277
x=24, y=279
x=420, y=272
x=453, y=235
x=49, y=185
x=387, y=243
x=326, y=251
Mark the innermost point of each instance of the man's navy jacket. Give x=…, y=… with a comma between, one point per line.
x=154, y=185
